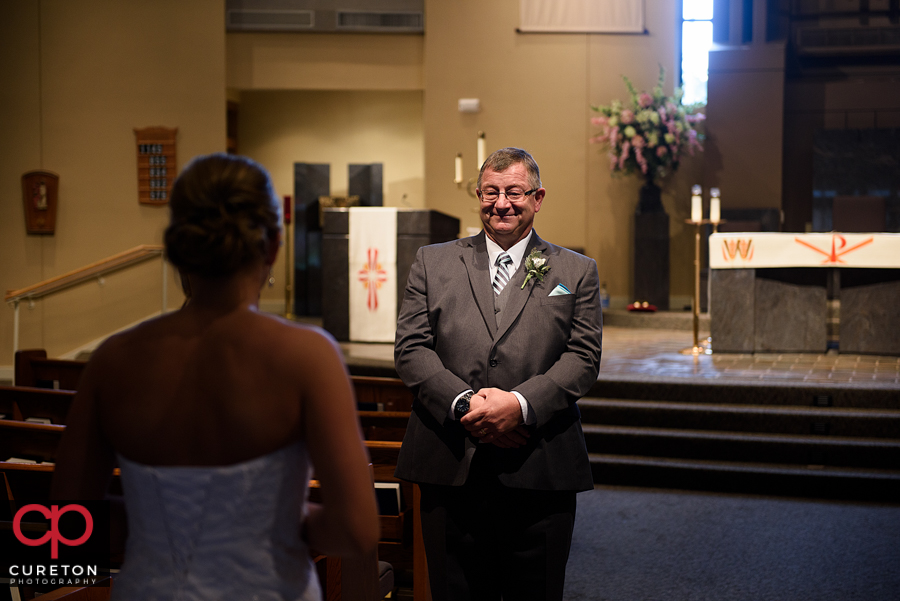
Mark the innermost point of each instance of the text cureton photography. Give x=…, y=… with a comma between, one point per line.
x=54, y=544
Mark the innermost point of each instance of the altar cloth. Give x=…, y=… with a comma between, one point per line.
x=756, y=250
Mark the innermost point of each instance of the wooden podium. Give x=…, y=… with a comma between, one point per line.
x=415, y=228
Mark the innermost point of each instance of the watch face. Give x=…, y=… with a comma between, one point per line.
x=462, y=406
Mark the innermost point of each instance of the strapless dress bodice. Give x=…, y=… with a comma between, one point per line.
x=222, y=532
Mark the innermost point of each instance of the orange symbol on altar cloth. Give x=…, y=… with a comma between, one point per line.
x=731, y=249
x=372, y=275
x=838, y=243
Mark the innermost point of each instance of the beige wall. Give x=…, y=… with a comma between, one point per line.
x=75, y=80
x=745, y=120
x=324, y=61
x=280, y=128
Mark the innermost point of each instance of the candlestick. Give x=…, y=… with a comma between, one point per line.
x=715, y=206
x=482, y=155
x=459, y=169
x=696, y=204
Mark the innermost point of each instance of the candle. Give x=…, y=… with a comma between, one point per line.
x=715, y=206
x=458, y=161
x=482, y=155
x=696, y=204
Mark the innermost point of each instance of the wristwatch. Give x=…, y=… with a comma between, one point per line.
x=462, y=405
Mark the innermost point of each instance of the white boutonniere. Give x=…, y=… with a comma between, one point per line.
x=535, y=267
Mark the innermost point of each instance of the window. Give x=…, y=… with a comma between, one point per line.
x=696, y=40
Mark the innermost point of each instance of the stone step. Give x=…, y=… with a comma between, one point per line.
x=873, y=423
x=858, y=484
x=833, y=451
x=769, y=392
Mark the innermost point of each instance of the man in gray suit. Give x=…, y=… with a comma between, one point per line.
x=498, y=336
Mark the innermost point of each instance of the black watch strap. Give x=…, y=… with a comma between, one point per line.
x=462, y=405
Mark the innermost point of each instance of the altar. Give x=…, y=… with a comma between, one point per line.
x=770, y=292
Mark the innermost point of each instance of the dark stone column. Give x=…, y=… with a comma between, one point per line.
x=310, y=182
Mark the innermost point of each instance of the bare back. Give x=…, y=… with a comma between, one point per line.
x=188, y=389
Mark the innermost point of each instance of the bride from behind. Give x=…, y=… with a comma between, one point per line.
x=216, y=414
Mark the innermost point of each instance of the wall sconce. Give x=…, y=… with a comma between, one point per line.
x=481, y=155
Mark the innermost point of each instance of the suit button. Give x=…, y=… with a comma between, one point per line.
x=493, y=362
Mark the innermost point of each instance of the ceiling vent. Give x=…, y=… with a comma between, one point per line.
x=269, y=20
x=380, y=21
x=346, y=16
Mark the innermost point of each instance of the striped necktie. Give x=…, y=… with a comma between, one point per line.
x=502, y=277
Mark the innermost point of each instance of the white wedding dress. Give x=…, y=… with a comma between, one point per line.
x=229, y=532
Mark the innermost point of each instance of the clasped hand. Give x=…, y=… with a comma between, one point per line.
x=495, y=416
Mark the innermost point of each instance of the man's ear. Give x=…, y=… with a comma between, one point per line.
x=539, y=199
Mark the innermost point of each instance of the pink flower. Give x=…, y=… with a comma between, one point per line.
x=614, y=136
x=638, y=142
x=627, y=116
x=600, y=120
x=642, y=161
x=645, y=99
x=626, y=147
x=661, y=151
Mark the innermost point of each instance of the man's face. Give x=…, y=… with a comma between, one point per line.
x=507, y=222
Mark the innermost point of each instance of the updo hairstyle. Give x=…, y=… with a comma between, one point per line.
x=223, y=215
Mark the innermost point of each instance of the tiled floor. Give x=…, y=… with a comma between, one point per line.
x=647, y=354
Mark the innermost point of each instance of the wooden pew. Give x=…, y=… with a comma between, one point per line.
x=25, y=402
x=29, y=441
x=388, y=394
x=33, y=368
x=95, y=592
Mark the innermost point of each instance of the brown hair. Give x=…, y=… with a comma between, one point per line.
x=503, y=159
x=223, y=215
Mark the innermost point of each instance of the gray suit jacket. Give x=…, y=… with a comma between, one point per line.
x=547, y=348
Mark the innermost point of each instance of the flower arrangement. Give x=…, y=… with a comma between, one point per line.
x=535, y=267
x=651, y=135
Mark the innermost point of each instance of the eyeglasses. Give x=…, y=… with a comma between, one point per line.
x=511, y=195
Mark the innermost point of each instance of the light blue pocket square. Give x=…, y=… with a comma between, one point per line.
x=560, y=290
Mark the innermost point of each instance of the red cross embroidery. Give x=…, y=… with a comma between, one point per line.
x=836, y=251
x=372, y=276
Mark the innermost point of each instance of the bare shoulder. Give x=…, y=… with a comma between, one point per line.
x=290, y=337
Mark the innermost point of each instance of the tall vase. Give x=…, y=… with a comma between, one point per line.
x=650, y=198
x=651, y=248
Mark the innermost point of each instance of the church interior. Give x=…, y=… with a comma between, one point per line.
x=744, y=432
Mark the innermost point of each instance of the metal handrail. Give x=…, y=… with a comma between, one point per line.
x=130, y=257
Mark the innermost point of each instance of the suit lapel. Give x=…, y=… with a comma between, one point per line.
x=517, y=295
x=475, y=258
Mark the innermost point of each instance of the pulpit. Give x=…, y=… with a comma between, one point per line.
x=366, y=256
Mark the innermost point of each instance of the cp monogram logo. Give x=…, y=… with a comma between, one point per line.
x=53, y=514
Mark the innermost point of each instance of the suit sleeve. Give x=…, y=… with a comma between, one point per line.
x=417, y=363
x=575, y=371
